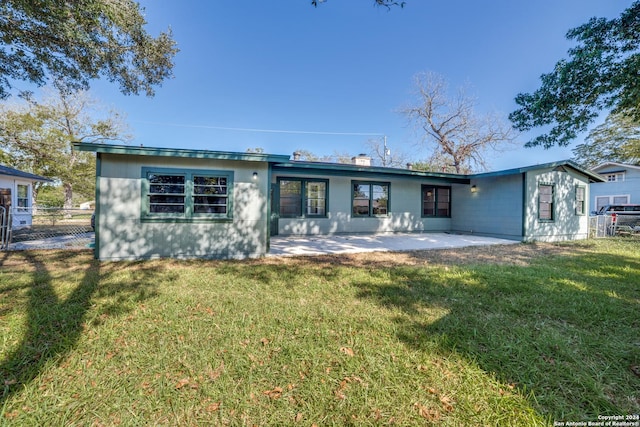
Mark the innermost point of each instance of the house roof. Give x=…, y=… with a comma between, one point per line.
x=623, y=167
x=593, y=177
x=177, y=152
x=283, y=163
x=6, y=170
x=325, y=168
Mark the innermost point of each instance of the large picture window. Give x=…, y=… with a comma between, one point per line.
x=303, y=197
x=545, y=202
x=370, y=198
x=436, y=201
x=179, y=194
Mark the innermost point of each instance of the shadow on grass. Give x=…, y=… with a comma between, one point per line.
x=53, y=324
x=562, y=331
x=559, y=324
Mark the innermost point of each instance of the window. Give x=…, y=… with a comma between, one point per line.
x=545, y=202
x=23, y=197
x=615, y=177
x=436, y=201
x=580, y=200
x=298, y=193
x=184, y=195
x=210, y=195
x=611, y=200
x=370, y=199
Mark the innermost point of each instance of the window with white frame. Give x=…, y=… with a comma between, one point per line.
x=611, y=200
x=175, y=194
x=614, y=177
x=23, y=198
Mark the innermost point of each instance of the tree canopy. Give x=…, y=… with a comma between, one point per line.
x=615, y=140
x=601, y=73
x=77, y=41
x=36, y=137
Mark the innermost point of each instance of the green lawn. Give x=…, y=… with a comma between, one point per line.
x=515, y=335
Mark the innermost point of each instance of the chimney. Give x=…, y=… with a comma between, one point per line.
x=361, y=160
x=409, y=166
x=296, y=156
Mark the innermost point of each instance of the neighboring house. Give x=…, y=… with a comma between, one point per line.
x=621, y=185
x=161, y=202
x=16, y=194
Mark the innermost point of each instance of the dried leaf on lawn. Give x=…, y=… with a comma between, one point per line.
x=348, y=351
x=429, y=414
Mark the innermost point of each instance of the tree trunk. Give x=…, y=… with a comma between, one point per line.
x=68, y=199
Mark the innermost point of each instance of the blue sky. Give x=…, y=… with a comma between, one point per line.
x=345, y=67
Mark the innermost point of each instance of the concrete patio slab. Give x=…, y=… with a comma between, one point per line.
x=354, y=243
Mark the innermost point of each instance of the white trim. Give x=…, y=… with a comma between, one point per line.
x=619, y=176
x=610, y=200
x=608, y=164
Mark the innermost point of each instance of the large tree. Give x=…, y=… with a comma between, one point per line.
x=36, y=136
x=615, y=140
x=601, y=73
x=459, y=137
x=74, y=41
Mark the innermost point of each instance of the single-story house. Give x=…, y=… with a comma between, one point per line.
x=621, y=185
x=162, y=202
x=16, y=195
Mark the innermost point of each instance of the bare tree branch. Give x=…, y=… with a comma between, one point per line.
x=459, y=137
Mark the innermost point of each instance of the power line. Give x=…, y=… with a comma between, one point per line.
x=300, y=132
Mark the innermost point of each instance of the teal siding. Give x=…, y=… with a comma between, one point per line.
x=122, y=235
x=405, y=213
x=495, y=209
x=566, y=224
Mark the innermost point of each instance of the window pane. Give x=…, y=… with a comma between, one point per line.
x=164, y=204
x=290, y=198
x=428, y=201
x=210, y=195
x=580, y=194
x=163, y=184
x=545, y=202
x=209, y=185
x=23, y=197
x=444, y=202
x=601, y=201
x=620, y=200
x=361, y=194
x=380, y=199
x=316, y=198
x=166, y=193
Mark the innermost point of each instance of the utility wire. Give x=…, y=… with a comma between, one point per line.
x=303, y=132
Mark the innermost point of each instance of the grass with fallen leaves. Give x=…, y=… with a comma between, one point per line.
x=514, y=335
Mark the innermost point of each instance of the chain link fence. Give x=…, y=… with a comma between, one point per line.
x=614, y=225
x=47, y=228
